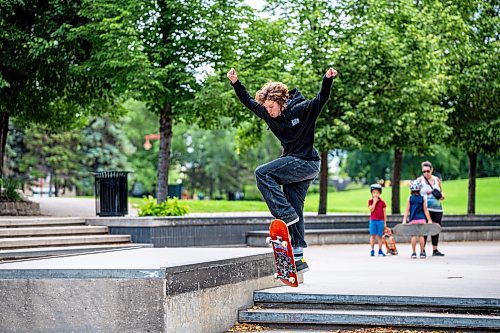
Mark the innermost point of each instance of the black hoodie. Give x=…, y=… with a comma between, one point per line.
x=296, y=124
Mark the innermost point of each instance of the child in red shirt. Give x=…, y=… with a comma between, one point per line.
x=378, y=218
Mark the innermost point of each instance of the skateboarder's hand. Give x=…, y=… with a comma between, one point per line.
x=232, y=76
x=331, y=73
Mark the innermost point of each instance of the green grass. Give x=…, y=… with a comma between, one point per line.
x=356, y=201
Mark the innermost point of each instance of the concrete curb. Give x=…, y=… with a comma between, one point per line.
x=369, y=318
x=462, y=302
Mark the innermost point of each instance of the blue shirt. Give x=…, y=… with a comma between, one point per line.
x=416, y=207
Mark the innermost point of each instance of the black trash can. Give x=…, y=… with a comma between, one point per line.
x=111, y=193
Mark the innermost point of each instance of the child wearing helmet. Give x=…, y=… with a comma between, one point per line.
x=416, y=212
x=378, y=219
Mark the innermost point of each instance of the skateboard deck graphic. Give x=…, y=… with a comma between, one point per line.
x=390, y=242
x=283, y=253
x=427, y=229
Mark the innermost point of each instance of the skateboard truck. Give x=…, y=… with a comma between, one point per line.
x=278, y=241
x=289, y=278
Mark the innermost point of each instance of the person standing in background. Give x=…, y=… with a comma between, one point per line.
x=430, y=184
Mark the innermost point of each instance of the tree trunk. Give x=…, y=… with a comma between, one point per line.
x=51, y=183
x=4, y=129
x=56, y=186
x=323, y=183
x=164, y=157
x=471, y=201
x=396, y=180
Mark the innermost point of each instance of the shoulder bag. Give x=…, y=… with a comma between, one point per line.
x=435, y=192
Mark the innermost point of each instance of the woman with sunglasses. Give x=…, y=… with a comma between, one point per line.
x=430, y=184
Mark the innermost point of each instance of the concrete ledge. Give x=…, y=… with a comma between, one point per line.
x=156, y=290
x=20, y=208
x=201, y=231
x=360, y=236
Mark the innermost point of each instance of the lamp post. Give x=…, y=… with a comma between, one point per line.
x=147, y=138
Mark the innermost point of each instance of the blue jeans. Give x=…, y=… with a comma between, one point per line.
x=295, y=175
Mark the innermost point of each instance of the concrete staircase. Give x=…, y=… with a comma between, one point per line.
x=292, y=311
x=45, y=236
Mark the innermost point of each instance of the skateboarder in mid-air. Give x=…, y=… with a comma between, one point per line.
x=292, y=119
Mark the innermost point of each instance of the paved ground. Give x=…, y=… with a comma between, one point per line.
x=74, y=207
x=469, y=269
x=85, y=207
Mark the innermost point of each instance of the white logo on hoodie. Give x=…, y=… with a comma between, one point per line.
x=295, y=121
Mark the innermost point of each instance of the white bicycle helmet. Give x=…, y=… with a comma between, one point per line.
x=376, y=187
x=415, y=185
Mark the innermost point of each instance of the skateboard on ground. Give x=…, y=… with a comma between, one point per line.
x=390, y=242
x=427, y=229
x=279, y=238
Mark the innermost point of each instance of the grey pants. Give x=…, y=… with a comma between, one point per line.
x=295, y=176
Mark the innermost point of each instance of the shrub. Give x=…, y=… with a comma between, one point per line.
x=170, y=207
x=8, y=190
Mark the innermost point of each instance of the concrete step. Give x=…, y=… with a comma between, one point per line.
x=360, y=236
x=290, y=318
x=378, y=302
x=15, y=222
x=24, y=242
x=40, y=252
x=52, y=231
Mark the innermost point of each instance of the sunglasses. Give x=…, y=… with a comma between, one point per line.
x=426, y=171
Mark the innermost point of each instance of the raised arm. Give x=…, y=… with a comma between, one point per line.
x=319, y=102
x=243, y=95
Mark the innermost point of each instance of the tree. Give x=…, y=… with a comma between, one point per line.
x=314, y=29
x=394, y=79
x=67, y=157
x=61, y=61
x=179, y=38
x=473, y=57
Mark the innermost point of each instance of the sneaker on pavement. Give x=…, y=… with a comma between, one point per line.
x=381, y=253
x=414, y=255
x=437, y=253
x=302, y=266
x=372, y=253
x=423, y=255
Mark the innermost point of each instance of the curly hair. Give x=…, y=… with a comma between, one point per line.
x=273, y=91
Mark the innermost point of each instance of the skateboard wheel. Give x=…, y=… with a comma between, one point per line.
x=268, y=240
x=291, y=279
x=284, y=244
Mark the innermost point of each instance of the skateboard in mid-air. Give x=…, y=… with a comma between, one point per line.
x=426, y=229
x=390, y=242
x=279, y=238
